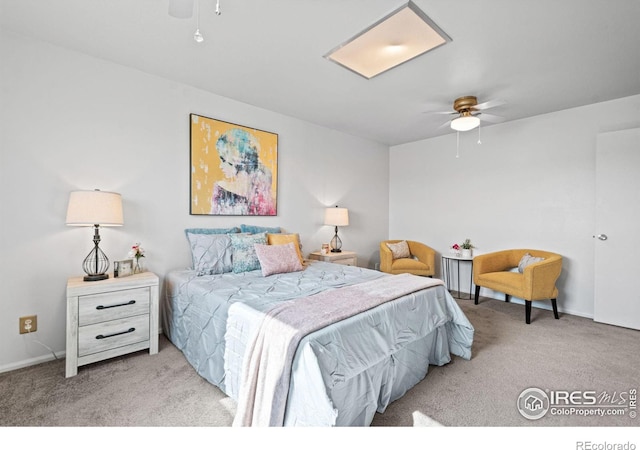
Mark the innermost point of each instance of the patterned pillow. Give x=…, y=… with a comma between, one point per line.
x=281, y=258
x=399, y=249
x=210, y=253
x=526, y=260
x=279, y=239
x=245, y=258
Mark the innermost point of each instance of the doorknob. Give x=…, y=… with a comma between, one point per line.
x=602, y=237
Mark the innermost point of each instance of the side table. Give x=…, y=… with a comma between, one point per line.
x=344, y=257
x=447, y=262
x=110, y=318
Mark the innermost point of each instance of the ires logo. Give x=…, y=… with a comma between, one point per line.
x=534, y=403
x=573, y=398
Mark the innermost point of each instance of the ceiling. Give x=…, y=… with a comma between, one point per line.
x=538, y=56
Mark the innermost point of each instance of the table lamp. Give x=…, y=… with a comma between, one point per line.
x=337, y=217
x=95, y=208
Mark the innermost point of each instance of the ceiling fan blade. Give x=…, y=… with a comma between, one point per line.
x=489, y=104
x=439, y=112
x=491, y=118
x=181, y=9
x=446, y=124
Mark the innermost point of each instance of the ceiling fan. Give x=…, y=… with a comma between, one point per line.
x=468, y=113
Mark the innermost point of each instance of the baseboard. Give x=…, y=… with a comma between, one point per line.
x=494, y=295
x=31, y=362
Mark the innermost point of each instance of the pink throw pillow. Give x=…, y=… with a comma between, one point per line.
x=278, y=258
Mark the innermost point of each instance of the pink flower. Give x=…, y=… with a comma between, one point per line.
x=456, y=247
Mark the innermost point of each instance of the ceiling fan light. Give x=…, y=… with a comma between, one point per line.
x=465, y=123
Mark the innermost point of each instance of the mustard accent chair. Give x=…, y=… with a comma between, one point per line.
x=422, y=262
x=537, y=282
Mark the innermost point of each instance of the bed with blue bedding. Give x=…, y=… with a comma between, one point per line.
x=341, y=374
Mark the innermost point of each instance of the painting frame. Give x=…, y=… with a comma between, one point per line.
x=233, y=169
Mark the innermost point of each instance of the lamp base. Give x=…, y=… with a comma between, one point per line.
x=336, y=250
x=102, y=276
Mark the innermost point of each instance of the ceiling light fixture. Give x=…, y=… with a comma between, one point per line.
x=395, y=39
x=465, y=122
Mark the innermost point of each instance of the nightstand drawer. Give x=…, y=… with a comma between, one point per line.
x=116, y=333
x=345, y=262
x=112, y=305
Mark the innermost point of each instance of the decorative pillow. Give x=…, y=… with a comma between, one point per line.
x=253, y=229
x=210, y=253
x=244, y=252
x=212, y=230
x=526, y=260
x=399, y=250
x=280, y=239
x=281, y=258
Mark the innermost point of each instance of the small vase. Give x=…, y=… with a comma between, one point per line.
x=466, y=253
x=138, y=266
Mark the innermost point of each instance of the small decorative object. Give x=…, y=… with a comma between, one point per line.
x=122, y=268
x=325, y=249
x=137, y=252
x=455, y=249
x=466, y=248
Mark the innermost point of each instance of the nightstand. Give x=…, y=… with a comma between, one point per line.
x=110, y=318
x=344, y=257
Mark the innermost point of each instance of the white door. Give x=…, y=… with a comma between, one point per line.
x=617, y=233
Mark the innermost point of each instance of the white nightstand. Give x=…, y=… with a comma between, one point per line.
x=110, y=318
x=344, y=257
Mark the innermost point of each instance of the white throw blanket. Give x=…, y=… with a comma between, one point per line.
x=267, y=363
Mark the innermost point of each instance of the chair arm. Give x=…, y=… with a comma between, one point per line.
x=492, y=262
x=424, y=253
x=540, y=278
x=386, y=258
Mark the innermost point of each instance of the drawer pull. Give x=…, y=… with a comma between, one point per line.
x=130, y=302
x=104, y=336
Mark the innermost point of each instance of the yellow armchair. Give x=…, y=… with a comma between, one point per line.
x=421, y=262
x=536, y=282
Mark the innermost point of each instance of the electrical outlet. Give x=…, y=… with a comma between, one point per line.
x=28, y=324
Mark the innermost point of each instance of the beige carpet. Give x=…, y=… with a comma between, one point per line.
x=162, y=390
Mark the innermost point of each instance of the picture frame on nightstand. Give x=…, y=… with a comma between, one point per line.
x=122, y=268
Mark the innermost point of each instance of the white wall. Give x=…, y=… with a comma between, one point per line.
x=69, y=121
x=530, y=184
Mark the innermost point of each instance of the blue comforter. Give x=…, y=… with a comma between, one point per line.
x=342, y=374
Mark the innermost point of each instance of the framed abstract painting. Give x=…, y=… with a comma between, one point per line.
x=234, y=169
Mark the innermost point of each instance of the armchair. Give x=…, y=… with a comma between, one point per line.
x=421, y=262
x=537, y=281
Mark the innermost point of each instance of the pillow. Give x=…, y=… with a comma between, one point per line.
x=526, y=260
x=212, y=230
x=210, y=253
x=244, y=253
x=399, y=250
x=253, y=229
x=280, y=239
x=281, y=258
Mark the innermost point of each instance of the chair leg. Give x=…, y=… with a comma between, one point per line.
x=555, y=308
x=477, y=294
x=507, y=298
x=528, y=311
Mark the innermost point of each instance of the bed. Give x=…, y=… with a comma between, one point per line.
x=340, y=374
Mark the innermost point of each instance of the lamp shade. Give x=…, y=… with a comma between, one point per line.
x=89, y=208
x=338, y=217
